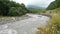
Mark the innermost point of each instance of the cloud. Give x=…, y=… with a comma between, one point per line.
x=42, y=3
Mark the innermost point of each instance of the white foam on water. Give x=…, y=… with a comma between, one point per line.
x=26, y=26
x=8, y=31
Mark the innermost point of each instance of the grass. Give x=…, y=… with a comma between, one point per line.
x=53, y=25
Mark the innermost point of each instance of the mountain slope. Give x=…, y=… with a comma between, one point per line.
x=55, y=4
x=52, y=6
x=35, y=7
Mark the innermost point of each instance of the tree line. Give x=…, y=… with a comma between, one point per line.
x=53, y=5
x=11, y=8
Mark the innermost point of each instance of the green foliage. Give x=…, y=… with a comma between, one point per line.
x=12, y=8
x=4, y=8
x=13, y=4
x=58, y=3
x=13, y=11
x=53, y=5
x=53, y=26
x=16, y=11
x=32, y=10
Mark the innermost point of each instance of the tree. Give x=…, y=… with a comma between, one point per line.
x=11, y=8
x=22, y=5
x=4, y=8
x=52, y=6
x=13, y=4
x=58, y=3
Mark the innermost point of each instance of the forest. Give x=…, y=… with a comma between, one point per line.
x=11, y=8
x=53, y=5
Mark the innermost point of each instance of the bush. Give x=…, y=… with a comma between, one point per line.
x=11, y=8
x=13, y=11
x=16, y=11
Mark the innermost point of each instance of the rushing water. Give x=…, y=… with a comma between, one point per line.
x=26, y=26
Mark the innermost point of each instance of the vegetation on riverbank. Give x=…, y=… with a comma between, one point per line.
x=11, y=8
x=11, y=19
x=35, y=11
x=53, y=25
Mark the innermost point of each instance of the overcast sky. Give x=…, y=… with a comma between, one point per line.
x=41, y=3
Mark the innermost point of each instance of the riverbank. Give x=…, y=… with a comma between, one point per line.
x=7, y=19
x=53, y=25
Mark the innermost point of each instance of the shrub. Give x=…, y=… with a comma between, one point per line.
x=13, y=12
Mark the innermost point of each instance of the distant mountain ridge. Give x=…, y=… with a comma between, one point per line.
x=35, y=7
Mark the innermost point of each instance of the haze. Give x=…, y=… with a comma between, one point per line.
x=40, y=3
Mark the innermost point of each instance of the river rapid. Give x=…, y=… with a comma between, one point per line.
x=26, y=26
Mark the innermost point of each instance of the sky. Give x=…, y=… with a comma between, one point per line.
x=40, y=3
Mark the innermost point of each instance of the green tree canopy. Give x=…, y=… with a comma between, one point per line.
x=58, y=3
x=54, y=4
x=6, y=8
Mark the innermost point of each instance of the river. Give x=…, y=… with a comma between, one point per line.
x=26, y=26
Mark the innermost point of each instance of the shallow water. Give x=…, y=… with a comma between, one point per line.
x=26, y=26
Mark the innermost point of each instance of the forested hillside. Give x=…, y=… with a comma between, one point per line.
x=11, y=8
x=53, y=5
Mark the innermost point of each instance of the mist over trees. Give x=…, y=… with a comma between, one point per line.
x=11, y=8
